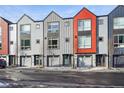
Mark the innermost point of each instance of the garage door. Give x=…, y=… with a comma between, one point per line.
x=118, y=61
x=53, y=61
x=25, y=61
x=84, y=61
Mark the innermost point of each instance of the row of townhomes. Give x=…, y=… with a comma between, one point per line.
x=85, y=40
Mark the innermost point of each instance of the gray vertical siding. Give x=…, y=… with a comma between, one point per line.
x=36, y=49
x=117, y=12
x=64, y=47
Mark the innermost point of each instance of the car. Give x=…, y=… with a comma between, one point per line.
x=3, y=63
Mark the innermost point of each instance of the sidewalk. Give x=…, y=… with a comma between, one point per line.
x=38, y=69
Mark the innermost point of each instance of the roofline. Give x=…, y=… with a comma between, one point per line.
x=102, y=16
x=50, y=14
x=9, y=22
x=68, y=18
x=23, y=16
x=83, y=9
x=115, y=9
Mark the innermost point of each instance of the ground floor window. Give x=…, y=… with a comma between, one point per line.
x=84, y=61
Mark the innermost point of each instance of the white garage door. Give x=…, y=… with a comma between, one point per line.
x=26, y=61
x=54, y=61
x=85, y=61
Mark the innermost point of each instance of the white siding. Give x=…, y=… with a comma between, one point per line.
x=13, y=38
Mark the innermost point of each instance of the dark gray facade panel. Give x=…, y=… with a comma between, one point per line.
x=117, y=12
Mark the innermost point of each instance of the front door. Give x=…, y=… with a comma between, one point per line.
x=38, y=60
x=100, y=60
x=66, y=60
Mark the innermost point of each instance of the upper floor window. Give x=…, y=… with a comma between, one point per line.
x=25, y=28
x=37, y=26
x=84, y=25
x=119, y=40
x=101, y=21
x=53, y=43
x=25, y=44
x=84, y=41
x=66, y=24
x=119, y=23
x=10, y=28
x=0, y=38
x=53, y=27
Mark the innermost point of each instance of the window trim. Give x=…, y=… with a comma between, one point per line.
x=113, y=22
x=24, y=47
x=58, y=43
x=53, y=22
x=84, y=19
x=118, y=40
x=23, y=25
x=85, y=45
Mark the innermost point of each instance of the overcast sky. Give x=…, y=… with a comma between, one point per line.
x=39, y=12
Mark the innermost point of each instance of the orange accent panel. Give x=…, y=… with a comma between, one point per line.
x=85, y=14
x=5, y=32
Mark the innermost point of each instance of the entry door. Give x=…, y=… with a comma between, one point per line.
x=12, y=60
x=53, y=61
x=84, y=61
x=100, y=60
x=38, y=60
x=66, y=60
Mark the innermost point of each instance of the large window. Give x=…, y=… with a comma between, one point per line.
x=53, y=43
x=0, y=38
x=119, y=41
x=25, y=29
x=84, y=25
x=84, y=41
x=25, y=44
x=119, y=23
x=53, y=27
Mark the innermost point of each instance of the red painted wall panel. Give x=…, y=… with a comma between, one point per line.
x=5, y=32
x=85, y=14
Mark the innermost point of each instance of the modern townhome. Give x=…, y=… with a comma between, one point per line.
x=102, y=41
x=13, y=44
x=116, y=37
x=4, y=39
x=30, y=42
x=58, y=41
x=85, y=30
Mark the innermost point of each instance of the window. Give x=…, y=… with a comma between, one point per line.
x=37, y=41
x=11, y=28
x=101, y=21
x=52, y=43
x=119, y=41
x=100, y=38
x=25, y=44
x=37, y=26
x=119, y=23
x=84, y=25
x=25, y=29
x=67, y=24
x=11, y=42
x=53, y=27
x=0, y=38
x=84, y=41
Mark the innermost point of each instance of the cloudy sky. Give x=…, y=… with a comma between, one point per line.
x=39, y=12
